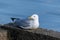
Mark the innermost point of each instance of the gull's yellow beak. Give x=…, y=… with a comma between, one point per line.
x=30, y=18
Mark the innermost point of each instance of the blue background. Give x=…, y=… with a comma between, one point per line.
x=48, y=11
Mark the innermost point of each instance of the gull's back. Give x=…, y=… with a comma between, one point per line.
x=22, y=22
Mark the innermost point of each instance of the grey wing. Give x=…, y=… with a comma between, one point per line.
x=24, y=23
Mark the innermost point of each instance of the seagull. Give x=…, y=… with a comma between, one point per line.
x=32, y=22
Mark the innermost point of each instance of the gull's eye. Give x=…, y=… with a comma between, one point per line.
x=34, y=16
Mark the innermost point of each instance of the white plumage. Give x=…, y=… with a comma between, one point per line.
x=31, y=23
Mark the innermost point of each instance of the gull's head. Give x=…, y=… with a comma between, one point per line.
x=34, y=17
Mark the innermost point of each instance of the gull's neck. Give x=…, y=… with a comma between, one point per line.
x=36, y=21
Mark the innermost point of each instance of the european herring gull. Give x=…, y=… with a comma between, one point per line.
x=31, y=22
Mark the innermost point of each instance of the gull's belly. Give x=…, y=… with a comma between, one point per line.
x=35, y=26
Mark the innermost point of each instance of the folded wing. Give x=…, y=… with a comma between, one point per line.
x=23, y=22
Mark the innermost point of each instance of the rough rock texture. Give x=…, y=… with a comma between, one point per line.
x=24, y=35
x=3, y=34
x=10, y=32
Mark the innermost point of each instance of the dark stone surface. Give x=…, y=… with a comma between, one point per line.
x=24, y=35
x=15, y=33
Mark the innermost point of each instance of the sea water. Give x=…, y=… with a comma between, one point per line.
x=48, y=11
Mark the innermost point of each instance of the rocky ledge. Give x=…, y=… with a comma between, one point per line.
x=11, y=32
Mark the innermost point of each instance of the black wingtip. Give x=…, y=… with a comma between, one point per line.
x=13, y=19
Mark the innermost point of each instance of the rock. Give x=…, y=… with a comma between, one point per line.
x=11, y=32
x=3, y=34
